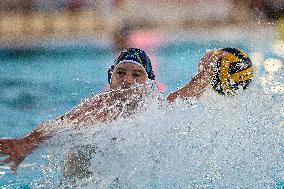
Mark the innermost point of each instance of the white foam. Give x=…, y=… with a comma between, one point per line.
x=217, y=142
x=272, y=64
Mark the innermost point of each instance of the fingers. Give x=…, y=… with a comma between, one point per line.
x=5, y=161
x=9, y=160
x=2, y=153
x=208, y=61
x=3, y=148
x=207, y=55
x=14, y=167
x=214, y=55
x=14, y=170
x=4, y=144
x=218, y=54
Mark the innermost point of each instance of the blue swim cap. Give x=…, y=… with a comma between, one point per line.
x=133, y=55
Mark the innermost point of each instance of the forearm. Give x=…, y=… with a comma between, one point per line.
x=17, y=149
x=194, y=88
x=35, y=138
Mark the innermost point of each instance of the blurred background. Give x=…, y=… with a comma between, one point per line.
x=30, y=22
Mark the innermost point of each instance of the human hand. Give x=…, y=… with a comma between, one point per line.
x=16, y=150
x=208, y=61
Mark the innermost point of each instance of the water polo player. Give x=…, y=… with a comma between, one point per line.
x=134, y=66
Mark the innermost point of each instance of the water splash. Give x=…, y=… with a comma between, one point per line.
x=217, y=142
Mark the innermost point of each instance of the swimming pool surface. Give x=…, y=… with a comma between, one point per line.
x=42, y=83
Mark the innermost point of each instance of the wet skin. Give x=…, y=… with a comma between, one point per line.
x=126, y=74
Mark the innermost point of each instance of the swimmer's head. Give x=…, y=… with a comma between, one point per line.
x=132, y=65
x=234, y=71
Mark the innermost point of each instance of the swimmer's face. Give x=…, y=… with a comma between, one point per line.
x=126, y=74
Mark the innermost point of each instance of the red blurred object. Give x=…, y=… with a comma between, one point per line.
x=145, y=39
x=75, y=5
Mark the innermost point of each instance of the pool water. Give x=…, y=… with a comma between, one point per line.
x=39, y=84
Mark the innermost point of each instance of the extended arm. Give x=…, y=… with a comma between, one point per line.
x=18, y=149
x=198, y=84
x=194, y=88
x=100, y=108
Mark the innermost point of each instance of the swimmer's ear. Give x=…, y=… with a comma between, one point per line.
x=110, y=71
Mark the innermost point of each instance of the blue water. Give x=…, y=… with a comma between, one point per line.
x=39, y=84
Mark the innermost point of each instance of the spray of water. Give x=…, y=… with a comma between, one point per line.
x=213, y=142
